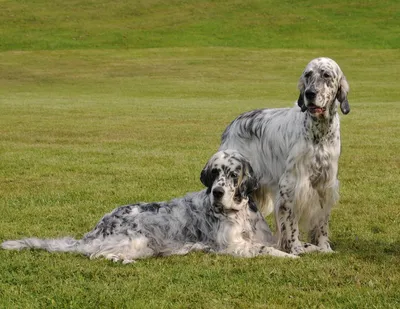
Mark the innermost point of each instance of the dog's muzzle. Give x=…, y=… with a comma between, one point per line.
x=310, y=95
x=314, y=109
x=218, y=192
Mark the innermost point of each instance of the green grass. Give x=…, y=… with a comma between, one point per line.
x=58, y=24
x=87, y=125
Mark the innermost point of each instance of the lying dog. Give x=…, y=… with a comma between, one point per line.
x=221, y=219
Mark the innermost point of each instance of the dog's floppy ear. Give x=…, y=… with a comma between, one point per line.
x=249, y=181
x=300, y=101
x=342, y=96
x=206, y=176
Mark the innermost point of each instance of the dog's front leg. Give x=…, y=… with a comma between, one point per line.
x=320, y=221
x=190, y=247
x=319, y=234
x=287, y=221
x=288, y=230
x=264, y=250
x=250, y=249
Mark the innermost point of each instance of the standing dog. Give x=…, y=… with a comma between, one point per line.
x=295, y=153
x=222, y=219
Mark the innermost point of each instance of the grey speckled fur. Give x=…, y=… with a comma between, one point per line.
x=295, y=154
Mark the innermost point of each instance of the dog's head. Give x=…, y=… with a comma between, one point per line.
x=320, y=85
x=229, y=179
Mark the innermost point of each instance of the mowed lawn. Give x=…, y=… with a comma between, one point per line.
x=85, y=128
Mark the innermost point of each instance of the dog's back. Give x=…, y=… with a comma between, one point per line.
x=266, y=137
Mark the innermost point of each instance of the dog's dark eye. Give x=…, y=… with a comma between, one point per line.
x=308, y=74
x=326, y=75
x=233, y=175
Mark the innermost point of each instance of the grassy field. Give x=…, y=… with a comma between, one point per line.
x=103, y=104
x=77, y=24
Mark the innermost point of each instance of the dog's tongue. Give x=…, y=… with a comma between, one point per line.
x=316, y=109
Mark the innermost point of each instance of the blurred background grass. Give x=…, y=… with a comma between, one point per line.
x=76, y=24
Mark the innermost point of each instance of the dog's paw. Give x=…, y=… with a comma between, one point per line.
x=325, y=248
x=291, y=256
x=128, y=261
x=297, y=250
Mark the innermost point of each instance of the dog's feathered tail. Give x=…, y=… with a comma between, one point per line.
x=66, y=244
x=115, y=248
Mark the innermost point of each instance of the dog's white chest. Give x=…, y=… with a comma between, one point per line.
x=322, y=165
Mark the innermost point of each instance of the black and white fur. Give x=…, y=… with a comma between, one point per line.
x=221, y=219
x=295, y=153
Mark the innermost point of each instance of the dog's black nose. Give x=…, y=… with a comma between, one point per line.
x=310, y=94
x=218, y=192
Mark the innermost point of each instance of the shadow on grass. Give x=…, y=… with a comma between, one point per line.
x=368, y=248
